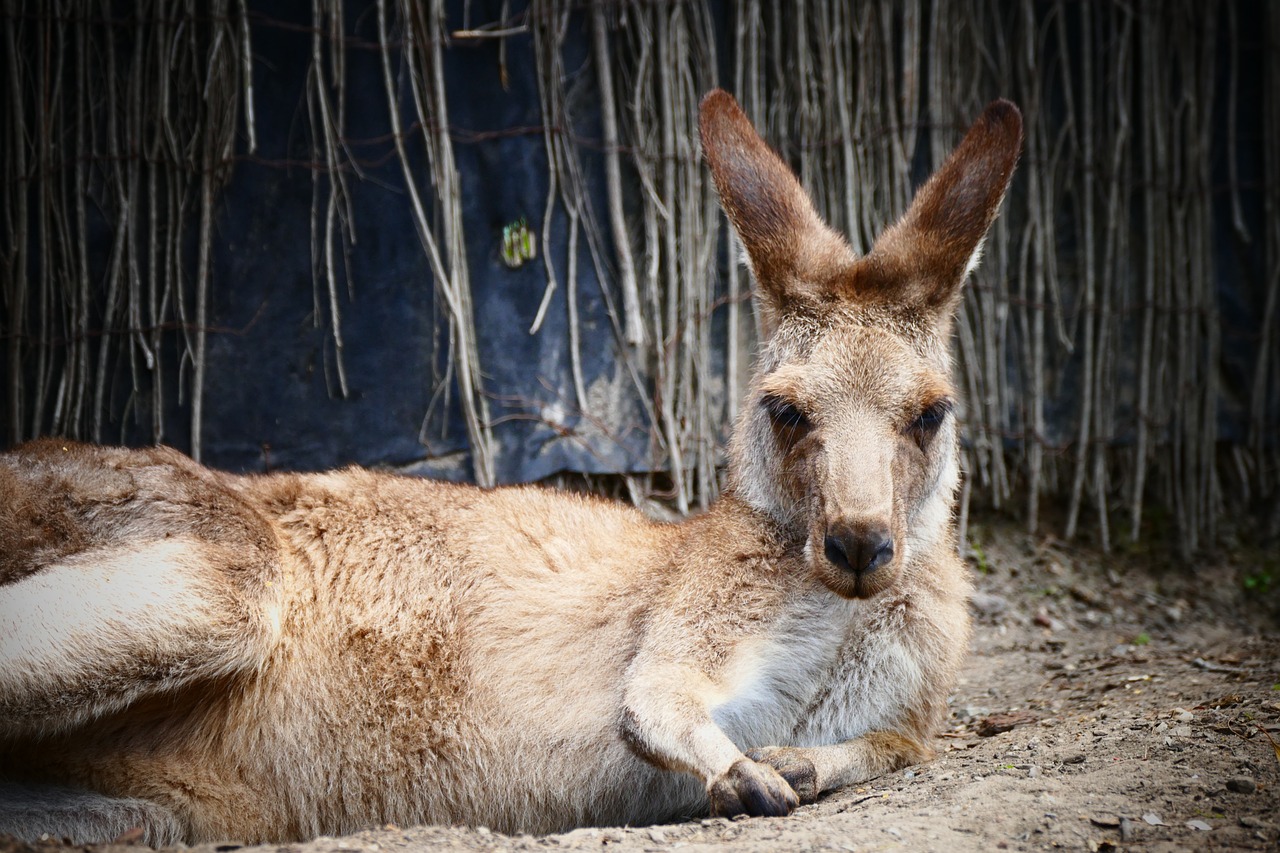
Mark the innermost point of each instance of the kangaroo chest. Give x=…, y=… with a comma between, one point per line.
x=821, y=679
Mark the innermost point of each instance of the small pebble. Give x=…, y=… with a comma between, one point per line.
x=989, y=604
x=1044, y=620
x=1242, y=785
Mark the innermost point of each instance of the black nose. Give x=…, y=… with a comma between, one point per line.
x=859, y=549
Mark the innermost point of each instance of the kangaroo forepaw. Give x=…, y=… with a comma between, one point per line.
x=793, y=766
x=751, y=789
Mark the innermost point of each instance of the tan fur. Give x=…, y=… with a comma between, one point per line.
x=272, y=658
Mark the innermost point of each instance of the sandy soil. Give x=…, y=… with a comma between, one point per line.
x=1117, y=702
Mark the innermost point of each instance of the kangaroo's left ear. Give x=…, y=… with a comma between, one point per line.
x=924, y=258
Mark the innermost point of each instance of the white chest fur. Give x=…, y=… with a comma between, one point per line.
x=823, y=675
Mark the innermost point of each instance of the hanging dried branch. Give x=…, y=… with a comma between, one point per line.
x=613, y=178
x=325, y=83
x=568, y=189
x=16, y=175
x=422, y=40
x=1266, y=373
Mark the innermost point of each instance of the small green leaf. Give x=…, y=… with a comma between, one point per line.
x=975, y=548
x=1142, y=639
x=1258, y=581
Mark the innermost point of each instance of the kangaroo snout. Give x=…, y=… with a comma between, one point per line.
x=859, y=547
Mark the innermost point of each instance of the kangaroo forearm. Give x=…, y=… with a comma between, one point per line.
x=864, y=758
x=816, y=769
x=667, y=720
x=673, y=729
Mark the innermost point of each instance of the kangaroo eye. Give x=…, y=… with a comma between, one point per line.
x=926, y=425
x=786, y=417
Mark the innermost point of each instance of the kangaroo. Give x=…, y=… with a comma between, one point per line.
x=209, y=657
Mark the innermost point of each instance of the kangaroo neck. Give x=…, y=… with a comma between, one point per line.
x=739, y=517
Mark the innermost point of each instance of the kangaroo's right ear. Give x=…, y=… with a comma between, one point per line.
x=927, y=254
x=794, y=254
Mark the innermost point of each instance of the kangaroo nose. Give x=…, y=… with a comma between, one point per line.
x=861, y=549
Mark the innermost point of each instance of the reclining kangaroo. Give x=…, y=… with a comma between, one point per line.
x=265, y=658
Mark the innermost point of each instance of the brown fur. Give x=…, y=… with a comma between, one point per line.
x=272, y=658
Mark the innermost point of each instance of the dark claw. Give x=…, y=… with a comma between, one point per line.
x=760, y=802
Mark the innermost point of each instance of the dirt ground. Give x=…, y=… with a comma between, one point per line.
x=1111, y=702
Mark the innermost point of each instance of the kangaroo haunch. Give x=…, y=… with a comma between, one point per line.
x=267, y=658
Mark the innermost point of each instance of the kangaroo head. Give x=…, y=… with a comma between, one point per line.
x=847, y=438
